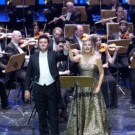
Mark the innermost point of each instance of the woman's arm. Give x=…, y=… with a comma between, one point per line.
x=112, y=59
x=74, y=58
x=101, y=75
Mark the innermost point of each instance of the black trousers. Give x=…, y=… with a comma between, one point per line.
x=3, y=95
x=132, y=85
x=109, y=91
x=47, y=107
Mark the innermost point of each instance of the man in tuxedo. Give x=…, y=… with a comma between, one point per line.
x=42, y=68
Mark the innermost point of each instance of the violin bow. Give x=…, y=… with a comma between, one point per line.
x=44, y=27
x=126, y=32
x=26, y=38
x=6, y=36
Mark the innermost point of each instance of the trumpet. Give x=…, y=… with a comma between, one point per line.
x=57, y=19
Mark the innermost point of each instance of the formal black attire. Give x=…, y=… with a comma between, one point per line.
x=47, y=97
x=75, y=18
x=122, y=59
x=109, y=86
x=73, y=39
x=20, y=74
x=132, y=78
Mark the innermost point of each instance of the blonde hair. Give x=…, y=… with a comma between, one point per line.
x=92, y=49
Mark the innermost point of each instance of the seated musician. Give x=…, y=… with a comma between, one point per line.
x=71, y=17
x=57, y=34
x=122, y=61
x=13, y=48
x=124, y=34
x=35, y=31
x=77, y=37
x=120, y=14
x=66, y=68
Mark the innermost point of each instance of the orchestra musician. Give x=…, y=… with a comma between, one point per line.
x=13, y=48
x=120, y=14
x=78, y=34
x=57, y=34
x=71, y=17
x=36, y=33
x=124, y=34
x=109, y=82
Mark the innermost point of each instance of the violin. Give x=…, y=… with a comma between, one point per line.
x=125, y=36
x=103, y=37
x=103, y=47
x=25, y=42
x=85, y=37
x=37, y=35
x=3, y=35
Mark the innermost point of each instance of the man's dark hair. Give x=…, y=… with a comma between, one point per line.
x=61, y=40
x=123, y=22
x=45, y=37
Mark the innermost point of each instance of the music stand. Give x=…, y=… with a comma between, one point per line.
x=76, y=82
x=114, y=28
x=131, y=2
x=62, y=1
x=20, y=2
x=15, y=63
x=107, y=13
x=69, y=29
x=120, y=42
x=98, y=2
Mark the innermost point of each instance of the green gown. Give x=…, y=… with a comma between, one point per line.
x=92, y=115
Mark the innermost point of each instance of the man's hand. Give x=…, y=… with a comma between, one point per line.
x=27, y=95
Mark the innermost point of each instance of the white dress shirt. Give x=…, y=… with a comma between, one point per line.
x=18, y=47
x=45, y=75
x=68, y=16
x=80, y=42
x=54, y=45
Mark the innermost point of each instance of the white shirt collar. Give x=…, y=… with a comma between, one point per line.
x=43, y=54
x=15, y=43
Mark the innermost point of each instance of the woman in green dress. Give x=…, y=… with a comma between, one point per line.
x=92, y=115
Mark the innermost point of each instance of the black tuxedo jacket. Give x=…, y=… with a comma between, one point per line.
x=12, y=49
x=33, y=70
x=74, y=40
x=74, y=19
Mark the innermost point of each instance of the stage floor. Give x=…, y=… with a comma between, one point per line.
x=122, y=119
